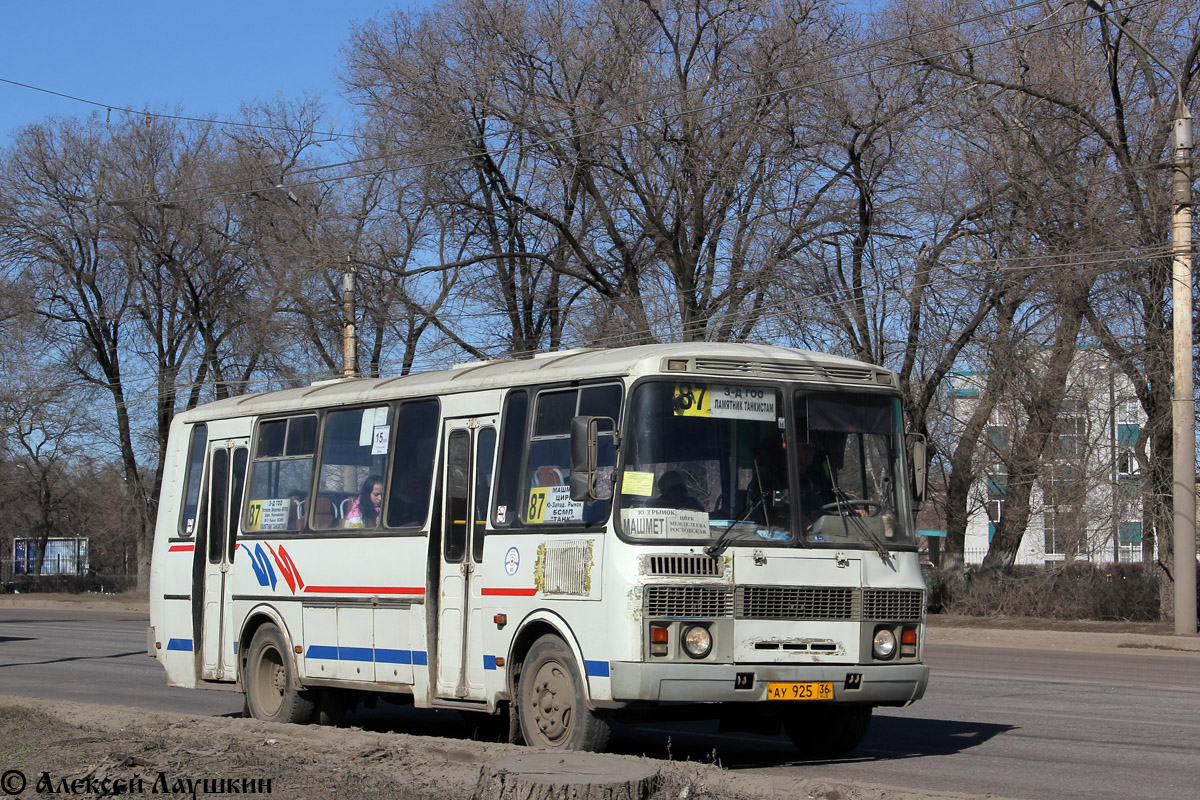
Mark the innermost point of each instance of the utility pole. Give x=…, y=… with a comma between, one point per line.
x=349, y=334
x=1183, y=401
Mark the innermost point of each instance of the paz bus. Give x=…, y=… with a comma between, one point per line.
x=563, y=541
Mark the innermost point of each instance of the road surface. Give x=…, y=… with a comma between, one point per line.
x=1012, y=722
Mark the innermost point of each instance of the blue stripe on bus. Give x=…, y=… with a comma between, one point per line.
x=489, y=662
x=596, y=669
x=355, y=654
x=322, y=651
x=180, y=644
x=393, y=656
x=378, y=655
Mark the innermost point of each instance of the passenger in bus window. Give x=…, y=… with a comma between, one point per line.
x=364, y=511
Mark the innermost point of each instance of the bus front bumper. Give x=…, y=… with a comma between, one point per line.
x=876, y=684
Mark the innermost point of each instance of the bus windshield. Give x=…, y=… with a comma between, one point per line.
x=714, y=462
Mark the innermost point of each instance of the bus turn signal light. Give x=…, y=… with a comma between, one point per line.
x=659, y=637
x=908, y=642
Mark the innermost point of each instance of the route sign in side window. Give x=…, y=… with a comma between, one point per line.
x=281, y=475
x=547, y=498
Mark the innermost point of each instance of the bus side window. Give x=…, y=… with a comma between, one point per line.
x=354, y=445
x=281, y=471
x=412, y=464
x=195, y=470
x=512, y=451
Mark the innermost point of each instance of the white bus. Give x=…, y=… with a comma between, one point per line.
x=564, y=541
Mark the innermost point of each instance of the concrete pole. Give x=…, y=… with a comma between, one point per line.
x=349, y=334
x=1183, y=405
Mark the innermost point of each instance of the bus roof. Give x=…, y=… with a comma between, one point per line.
x=708, y=359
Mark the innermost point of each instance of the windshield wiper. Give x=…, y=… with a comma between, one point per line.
x=845, y=511
x=723, y=541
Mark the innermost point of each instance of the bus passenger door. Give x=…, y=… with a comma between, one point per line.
x=227, y=468
x=469, y=448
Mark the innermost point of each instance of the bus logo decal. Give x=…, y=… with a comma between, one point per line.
x=262, y=567
x=512, y=561
x=291, y=573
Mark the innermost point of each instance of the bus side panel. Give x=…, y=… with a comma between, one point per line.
x=347, y=601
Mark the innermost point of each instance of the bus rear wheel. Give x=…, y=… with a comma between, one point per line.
x=827, y=731
x=552, y=706
x=272, y=693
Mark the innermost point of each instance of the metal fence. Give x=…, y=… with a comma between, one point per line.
x=14, y=578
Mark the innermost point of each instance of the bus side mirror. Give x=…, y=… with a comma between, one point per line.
x=920, y=455
x=585, y=456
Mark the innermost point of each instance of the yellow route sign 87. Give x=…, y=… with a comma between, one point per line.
x=724, y=402
x=691, y=400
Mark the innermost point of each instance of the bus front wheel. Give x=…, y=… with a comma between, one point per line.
x=552, y=705
x=271, y=690
x=827, y=731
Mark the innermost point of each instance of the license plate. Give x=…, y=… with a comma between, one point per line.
x=811, y=690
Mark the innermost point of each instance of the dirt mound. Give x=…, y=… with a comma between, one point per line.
x=91, y=750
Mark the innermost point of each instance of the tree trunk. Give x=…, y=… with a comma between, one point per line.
x=566, y=776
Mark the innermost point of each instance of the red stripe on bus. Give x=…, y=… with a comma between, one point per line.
x=509, y=592
x=181, y=548
x=366, y=589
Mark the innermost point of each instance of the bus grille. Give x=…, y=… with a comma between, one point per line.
x=900, y=605
x=795, y=602
x=712, y=602
x=783, y=602
x=691, y=566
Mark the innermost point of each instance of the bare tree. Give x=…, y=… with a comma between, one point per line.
x=1125, y=119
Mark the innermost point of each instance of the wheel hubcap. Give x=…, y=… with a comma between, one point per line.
x=271, y=683
x=551, y=701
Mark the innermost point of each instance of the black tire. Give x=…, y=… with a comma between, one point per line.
x=272, y=692
x=827, y=731
x=551, y=703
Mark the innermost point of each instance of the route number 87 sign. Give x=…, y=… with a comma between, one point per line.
x=724, y=402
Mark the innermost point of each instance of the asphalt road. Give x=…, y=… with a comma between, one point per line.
x=1008, y=722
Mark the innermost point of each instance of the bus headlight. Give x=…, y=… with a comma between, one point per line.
x=884, y=644
x=697, y=641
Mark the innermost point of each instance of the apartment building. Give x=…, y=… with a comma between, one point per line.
x=1086, y=504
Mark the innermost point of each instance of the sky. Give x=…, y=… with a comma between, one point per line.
x=198, y=58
